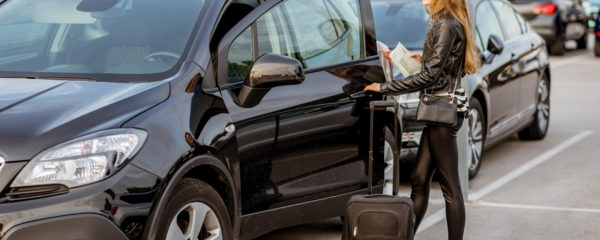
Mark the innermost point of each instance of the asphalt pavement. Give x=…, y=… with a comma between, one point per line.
x=547, y=189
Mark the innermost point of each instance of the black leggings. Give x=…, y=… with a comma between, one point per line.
x=438, y=151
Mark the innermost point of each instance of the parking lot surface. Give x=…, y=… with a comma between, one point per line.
x=526, y=189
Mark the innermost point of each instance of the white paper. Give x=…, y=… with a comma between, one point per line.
x=401, y=58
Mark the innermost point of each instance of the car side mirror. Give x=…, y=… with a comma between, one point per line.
x=269, y=71
x=495, y=44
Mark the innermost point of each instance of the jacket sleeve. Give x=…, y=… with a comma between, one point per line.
x=442, y=44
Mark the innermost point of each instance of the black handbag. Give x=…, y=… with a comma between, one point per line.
x=438, y=110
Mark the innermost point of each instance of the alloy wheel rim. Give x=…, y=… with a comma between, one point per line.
x=195, y=221
x=475, y=138
x=543, y=111
x=389, y=173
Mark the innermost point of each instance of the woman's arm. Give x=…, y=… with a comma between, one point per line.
x=443, y=40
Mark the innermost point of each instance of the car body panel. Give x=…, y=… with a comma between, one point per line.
x=37, y=114
x=301, y=150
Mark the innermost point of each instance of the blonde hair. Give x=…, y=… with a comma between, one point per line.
x=458, y=9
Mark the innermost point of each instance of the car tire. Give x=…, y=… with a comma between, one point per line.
x=582, y=42
x=558, y=47
x=194, y=198
x=476, y=136
x=390, y=146
x=539, y=127
x=597, y=49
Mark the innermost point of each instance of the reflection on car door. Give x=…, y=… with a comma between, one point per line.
x=320, y=135
x=503, y=86
x=524, y=53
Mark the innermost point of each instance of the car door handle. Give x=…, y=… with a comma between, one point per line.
x=357, y=95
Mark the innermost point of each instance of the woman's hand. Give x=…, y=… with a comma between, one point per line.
x=417, y=57
x=373, y=87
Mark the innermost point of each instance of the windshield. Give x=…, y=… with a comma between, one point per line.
x=103, y=40
x=400, y=21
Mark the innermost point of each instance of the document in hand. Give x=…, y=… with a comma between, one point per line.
x=400, y=57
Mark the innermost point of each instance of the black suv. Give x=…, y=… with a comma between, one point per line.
x=206, y=119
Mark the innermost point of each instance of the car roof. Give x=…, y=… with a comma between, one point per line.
x=472, y=3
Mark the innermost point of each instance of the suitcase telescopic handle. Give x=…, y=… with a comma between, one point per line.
x=383, y=105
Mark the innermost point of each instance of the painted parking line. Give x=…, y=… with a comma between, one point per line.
x=564, y=62
x=533, y=207
x=441, y=214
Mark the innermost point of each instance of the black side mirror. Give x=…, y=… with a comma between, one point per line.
x=270, y=70
x=495, y=44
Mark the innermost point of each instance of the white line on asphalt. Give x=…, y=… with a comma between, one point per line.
x=432, y=220
x=528, y=166
x=567, y=61
x=522, y=206
x=441, y=214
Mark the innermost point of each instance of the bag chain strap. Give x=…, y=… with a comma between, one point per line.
x=457, y=78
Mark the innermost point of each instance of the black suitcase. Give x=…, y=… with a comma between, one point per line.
x=371, y=217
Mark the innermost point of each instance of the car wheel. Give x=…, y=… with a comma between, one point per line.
x=195, y=211
x=558, y=47
x=476, y=136
x=597, y=49
x=582, y=42
x=538, y=128
x=390, y=145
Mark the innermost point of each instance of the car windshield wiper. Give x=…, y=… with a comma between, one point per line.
x=52, y=78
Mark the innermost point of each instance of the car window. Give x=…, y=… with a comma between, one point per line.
x=22, y=41
x=508, y=18
x=400, y=21
x=104, y=40
x=487, y=23
x=319, y=33
x=240, y=57
x=522, y=22
x=273, y=35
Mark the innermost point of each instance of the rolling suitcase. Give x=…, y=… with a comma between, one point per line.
x=379, y=216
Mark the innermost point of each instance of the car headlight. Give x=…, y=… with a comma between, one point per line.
x=82, y=161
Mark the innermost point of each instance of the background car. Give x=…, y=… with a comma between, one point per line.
x=511, y=91
x=596, y=18
x=557, y=21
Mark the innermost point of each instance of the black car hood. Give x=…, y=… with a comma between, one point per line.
x=38, y=114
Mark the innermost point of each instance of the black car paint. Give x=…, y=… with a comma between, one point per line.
x=507, y=86
x=196, y=129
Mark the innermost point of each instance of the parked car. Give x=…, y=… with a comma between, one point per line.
x=152, y=119
x=596, y=18
x=557, y=21
x=511, y=91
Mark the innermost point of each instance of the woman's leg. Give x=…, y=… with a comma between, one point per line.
x=444, y=153
x=421, y=178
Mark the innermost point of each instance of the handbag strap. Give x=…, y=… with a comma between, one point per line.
x=458, y=77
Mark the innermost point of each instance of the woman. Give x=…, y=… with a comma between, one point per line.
x=449, y=51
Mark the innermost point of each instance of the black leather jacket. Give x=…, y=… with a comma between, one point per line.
x=443, y=56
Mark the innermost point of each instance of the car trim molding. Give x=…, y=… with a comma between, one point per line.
x=2, y=163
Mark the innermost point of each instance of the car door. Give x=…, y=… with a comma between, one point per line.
x=503, y=87
x=315, y=136
x=524, y=51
